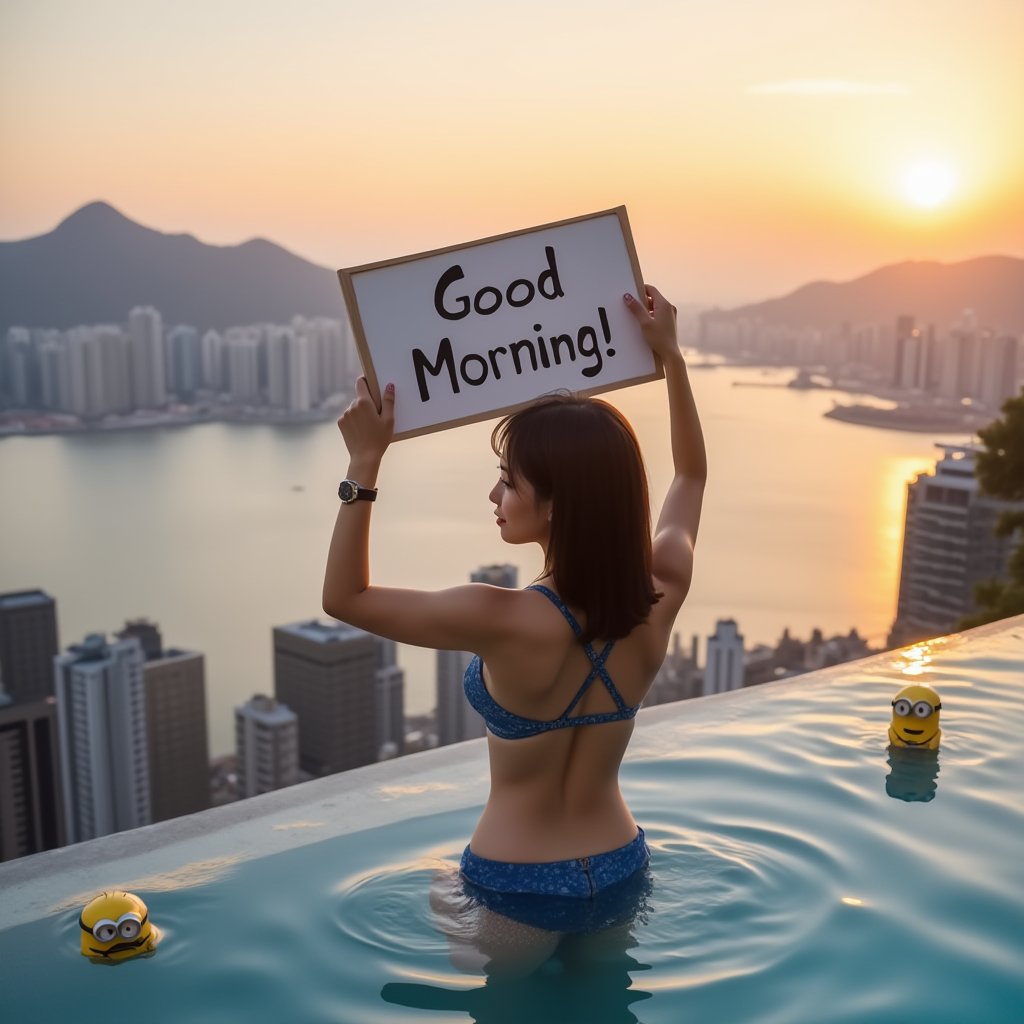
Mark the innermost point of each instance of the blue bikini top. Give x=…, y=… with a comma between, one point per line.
x=508, y=726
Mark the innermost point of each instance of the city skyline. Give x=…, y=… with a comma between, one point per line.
x=755, y=147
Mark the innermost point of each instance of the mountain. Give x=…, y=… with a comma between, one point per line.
x=935, y=293
x=97, y=264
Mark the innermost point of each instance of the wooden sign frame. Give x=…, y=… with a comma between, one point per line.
x=347, y=277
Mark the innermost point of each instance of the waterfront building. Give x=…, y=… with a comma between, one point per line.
x=277, y=367
x=999, y=376
x=211, y=359
x=300, y=368
x=16, y=368
x=724, y=664
x=78, y=376
x=184, y=362
x=327, y=674
x=243, y=362
x=389, y=688
x=145, y=327
x=54, y=372
x=28, y=644
x=267, y=746
x=948, y=547
x=176, y=734
x=456, y=720
x=31, y=806
x=101, y=712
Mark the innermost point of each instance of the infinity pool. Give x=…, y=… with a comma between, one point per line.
x=801, y=873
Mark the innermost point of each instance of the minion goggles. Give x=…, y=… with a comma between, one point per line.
x=920, y=709
x=127, y=926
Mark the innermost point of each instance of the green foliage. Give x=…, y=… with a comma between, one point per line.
x=1000, y=471
x=1001, y=465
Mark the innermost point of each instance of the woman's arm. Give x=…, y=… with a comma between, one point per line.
x=474, y=617
x=676, y=530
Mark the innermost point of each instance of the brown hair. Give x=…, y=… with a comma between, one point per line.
x=582, y=455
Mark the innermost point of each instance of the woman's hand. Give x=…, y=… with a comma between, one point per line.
x=657, y=320
x=366, y=431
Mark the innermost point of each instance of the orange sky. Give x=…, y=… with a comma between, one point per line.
x=757, y=145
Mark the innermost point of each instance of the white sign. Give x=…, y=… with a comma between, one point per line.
x=476, y=330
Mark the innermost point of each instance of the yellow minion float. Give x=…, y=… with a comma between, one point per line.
x=915, y=718
x=115, y=926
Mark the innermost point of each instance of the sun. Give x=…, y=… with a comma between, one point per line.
x=929, y=183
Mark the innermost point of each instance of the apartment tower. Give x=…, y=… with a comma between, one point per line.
x=267, y=744
x=948, y=547
x=101, y=713
x=327, y=674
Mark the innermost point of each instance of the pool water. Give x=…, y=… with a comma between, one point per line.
x=801, y=871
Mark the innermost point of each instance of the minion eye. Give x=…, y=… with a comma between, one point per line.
x=922, y=709
x=105, y=931
x=129, y=926
x=902, y=706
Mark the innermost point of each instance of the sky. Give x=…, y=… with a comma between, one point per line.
x=756, y=145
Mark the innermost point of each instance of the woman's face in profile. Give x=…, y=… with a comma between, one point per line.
x=521, y=518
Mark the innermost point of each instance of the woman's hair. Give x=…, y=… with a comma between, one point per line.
x=582, y=455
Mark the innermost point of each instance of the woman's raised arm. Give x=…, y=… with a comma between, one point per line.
x=676, y=530
x=474, y=617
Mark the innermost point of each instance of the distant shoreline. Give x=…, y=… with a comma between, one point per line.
x=31, y=423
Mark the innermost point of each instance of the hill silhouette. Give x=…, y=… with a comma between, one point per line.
x=97, y=264
x=935, y=293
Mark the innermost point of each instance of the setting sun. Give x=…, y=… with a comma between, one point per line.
x=929, y=183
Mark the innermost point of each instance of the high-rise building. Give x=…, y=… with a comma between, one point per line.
x=267, y=744
x=277, y=366
x=101, y=711
x=327, y=674
x=678, y=678
x=176, y=737
x=456, y=720
x=723, y=667
x=907, y=350
x=496, y=575
x=211, y=350
x=184, y=361
x=390, y=700
x=28, y=644
x=1000, y=372
x=243, y=365
x=55, y=373
x=948, y=547
x=299, y=371
x=31, y=807
x=145, y=327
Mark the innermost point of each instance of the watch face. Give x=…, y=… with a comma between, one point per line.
x=347, y=491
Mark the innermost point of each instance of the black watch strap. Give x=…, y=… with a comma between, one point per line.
x=350, y=491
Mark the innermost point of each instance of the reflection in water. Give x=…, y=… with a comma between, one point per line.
x=588, y=979
x=914, y=774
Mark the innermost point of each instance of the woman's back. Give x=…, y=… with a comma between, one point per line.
x=555, y=790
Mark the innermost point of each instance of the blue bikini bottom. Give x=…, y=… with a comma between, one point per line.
x=579, y=895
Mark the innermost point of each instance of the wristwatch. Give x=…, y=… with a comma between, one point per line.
x=349, y=491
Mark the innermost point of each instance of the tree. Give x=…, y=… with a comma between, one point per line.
x=1000, y=472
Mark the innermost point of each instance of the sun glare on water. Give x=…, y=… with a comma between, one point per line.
x=929, y=183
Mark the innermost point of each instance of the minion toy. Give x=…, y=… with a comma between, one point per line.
x=915, y=718
x=115, y=926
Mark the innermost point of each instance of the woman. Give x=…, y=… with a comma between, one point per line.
x=561, y=666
